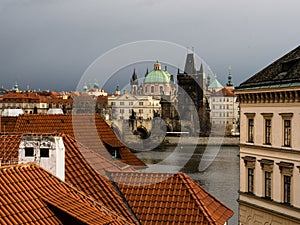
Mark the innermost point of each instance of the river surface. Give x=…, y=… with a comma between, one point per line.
x=215, y=168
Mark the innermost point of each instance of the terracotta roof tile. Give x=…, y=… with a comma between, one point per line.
x=8, y=123
x=30, y=194
x=90, y=130
x=157, y=198
x=9, y=146
x=86, y=174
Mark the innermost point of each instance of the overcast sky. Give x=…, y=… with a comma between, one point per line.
x=49, y=44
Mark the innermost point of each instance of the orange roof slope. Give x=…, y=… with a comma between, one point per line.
x=30, y=194
x=9, y=146
x=161, y=198
x=84, y=169
x=90, y=130
x=8, y=124
x=81, y=174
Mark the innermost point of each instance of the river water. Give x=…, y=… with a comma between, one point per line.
x=219, y=175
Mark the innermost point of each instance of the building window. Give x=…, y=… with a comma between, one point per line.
x=121, y=110
x=250, y=129
x=250, y=180
x=130, y=103
x=287, y=123
x=113, y=103
x=44, y=153
x=287, y=133
x=29, y=152
x=268, y=131
x=152, y=89
x=121, y=103
x=267, y=168
x=250, y=166
x=161, y=89
x=286, y=169
x=287, y=189
x=141, y=103
x=268, y=184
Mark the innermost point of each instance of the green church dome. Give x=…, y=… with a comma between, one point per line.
x=157, y=75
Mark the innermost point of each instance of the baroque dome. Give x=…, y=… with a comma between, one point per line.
x=157, y=75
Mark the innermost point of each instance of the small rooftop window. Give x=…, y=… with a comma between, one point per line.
x=29, y=152
x=44, y=153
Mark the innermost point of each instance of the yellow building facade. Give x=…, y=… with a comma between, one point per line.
x=270, y=144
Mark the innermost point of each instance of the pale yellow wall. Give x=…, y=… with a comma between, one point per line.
x=275, y=152
x=277, y=125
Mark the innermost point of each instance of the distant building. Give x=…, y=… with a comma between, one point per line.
x=142, y=106
x=29, y=102
x=94, y=90
x=215, y=86
x=36, y=102
x=224, y=108
x=269, y=144
x=157, y=82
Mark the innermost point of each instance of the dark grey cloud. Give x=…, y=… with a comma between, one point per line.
x=48, y=44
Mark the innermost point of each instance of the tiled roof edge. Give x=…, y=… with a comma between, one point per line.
x=184, y=177
x=69, y=186
x=121, y=195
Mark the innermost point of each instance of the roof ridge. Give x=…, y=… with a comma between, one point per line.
x=19, y=165
x=122, y=197
x=192, y=189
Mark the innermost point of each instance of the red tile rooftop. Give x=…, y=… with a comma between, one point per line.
x=141, y=198
x=162, y=198
x=91, y=130
x=31, y=195
x=85, y=174
x=8, y=124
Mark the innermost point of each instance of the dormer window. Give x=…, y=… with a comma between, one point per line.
x=29, y=152
x=44, y=152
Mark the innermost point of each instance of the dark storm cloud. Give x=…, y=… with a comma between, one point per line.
x=48, y=44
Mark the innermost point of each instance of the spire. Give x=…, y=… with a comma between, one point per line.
x=201, y=69
x=16, y=87
x=190, y=64
x=134, y=79
x=147, y=71
x=118, y=92
x=134, y=75
x=208, y=80
x=229, y=83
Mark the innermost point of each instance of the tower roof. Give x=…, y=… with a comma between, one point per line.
x=190, y=64
x=215, y=84
x=157, y=75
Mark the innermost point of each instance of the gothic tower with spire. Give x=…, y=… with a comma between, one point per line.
x=192, y=103
x=134, y=83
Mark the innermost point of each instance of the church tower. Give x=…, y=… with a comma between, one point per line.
x=134, y=83
x=192, y=102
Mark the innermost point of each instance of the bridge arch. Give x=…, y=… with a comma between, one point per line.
x=142, y=132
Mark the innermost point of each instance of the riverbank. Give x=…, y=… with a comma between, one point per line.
x=224, y=141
